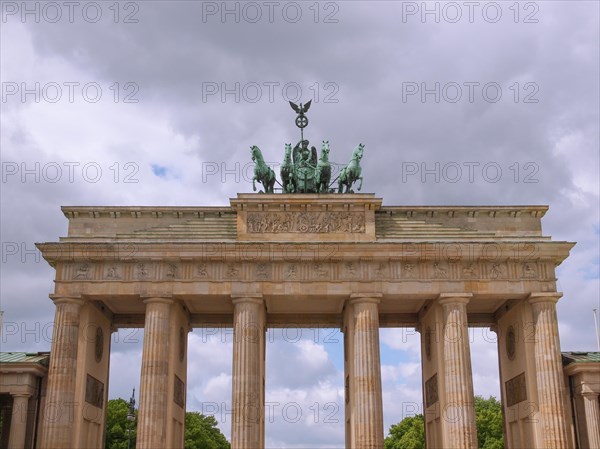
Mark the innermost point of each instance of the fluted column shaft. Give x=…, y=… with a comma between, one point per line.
x=18, y=423
x=592, y=418
x=549, y=371
x=58, y=413
x=368, y=412
x=248, y=368
x=152, y=415
x=459, y=413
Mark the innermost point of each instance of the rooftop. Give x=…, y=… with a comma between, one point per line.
x=25, y=357
x=580, y=357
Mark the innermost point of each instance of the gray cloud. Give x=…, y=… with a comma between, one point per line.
x=372, y=56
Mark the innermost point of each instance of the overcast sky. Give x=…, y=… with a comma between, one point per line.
x=157, y=103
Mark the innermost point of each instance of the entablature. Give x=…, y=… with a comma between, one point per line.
x=326, y=217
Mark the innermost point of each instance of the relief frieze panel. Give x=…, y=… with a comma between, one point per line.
x=497, y=270
x=469, y=270
x=82, y=271
x=94, y=391
x=307, y=271
x=380, y=270
x=320, y=271
x=410, y=270
x=143, y=271
x=292, y=272
x=171, y=271
x=350, y=270
x=516, y=390
x=263, y=272
x=305, y=222
x=431, y=391
x=178, y=391
x=113, y=272
x=440, y=270
x=203, y=271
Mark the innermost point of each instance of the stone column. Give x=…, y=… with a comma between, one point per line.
x=367, y=427
x=592, y=418
x=549, y=371
x=248, y=368
x=154, y=386
x=18, y=423
x=459, y=411
x=57, y=416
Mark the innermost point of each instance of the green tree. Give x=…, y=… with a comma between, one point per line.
x=410, y=432
x=407, y=434
x=201, y=432
x=488, y=415
x=117, y=425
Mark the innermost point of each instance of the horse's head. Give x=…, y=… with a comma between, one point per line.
x=325, y=150
x=256, y=153
x=358, y=152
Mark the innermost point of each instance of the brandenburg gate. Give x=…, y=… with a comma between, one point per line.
x=316, y=260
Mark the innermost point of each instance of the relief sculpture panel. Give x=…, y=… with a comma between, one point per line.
x=305, y=222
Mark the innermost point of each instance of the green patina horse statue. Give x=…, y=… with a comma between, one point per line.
x=262, y=172
x=323, y=172
x=351, y=173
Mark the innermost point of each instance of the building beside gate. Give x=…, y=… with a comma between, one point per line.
x=23, y=380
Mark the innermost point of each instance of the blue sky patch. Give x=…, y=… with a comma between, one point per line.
x=159, y=170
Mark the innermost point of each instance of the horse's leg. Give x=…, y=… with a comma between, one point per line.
x=327, y=180
x=272, y=182
x=350, y=183
x=360, y=185
x=254, y=184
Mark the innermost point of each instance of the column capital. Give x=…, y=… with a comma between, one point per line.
x=544, y=297
x=157, y=300
x=356, y=298
x=454, y=298
x=587, y=393
x=61, y=299
x=21, y=395
x=255, y=298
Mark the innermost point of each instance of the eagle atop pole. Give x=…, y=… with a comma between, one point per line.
x=301, y=119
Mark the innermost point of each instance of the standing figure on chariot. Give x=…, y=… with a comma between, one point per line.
x=305, y=161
